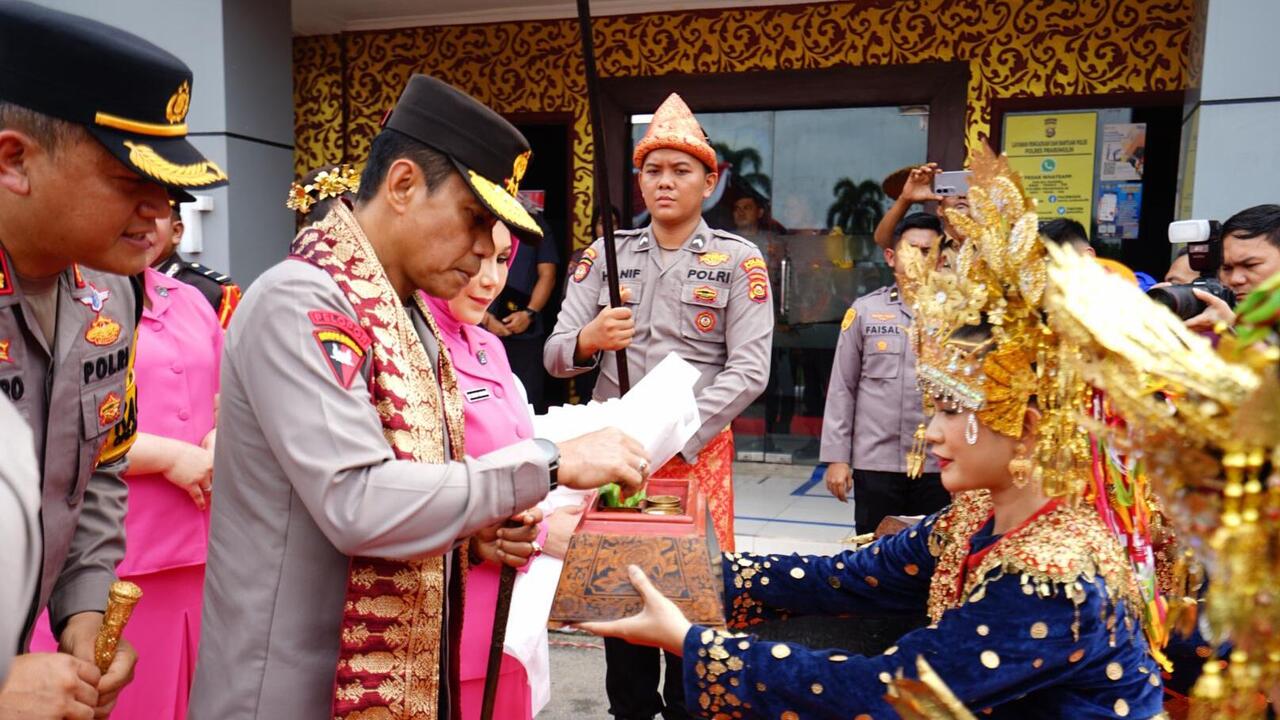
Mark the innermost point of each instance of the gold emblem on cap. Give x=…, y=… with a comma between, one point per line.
x=518, y=169
x=176, y=110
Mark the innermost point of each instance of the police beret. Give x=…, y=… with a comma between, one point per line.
x=128, y=93
x=490, y=154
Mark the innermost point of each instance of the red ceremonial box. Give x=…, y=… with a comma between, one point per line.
x=679, y=553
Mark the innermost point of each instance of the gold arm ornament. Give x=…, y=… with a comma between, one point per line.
x=124, y=595
x=927, y=698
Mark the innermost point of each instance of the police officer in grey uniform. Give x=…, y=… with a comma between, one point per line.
x=92, y=135
x=874, y=408
x=700, y=293
x=308, y=477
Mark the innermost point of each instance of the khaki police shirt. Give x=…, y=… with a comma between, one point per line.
x=75, y=398
x=19, y=530
x=873, y=404
x=305, y=480
x=710, y=306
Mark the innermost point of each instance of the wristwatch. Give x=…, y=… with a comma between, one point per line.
x=552, y=455
x=532, y=313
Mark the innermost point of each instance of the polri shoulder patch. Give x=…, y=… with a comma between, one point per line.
x=849, y=316
x=343, y=343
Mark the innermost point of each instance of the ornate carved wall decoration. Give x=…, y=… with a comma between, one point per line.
x=1015, y=48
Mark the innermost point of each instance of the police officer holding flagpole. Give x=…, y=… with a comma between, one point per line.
x=92, y=139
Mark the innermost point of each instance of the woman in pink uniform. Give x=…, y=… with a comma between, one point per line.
x=496, y=416
x=170, y=475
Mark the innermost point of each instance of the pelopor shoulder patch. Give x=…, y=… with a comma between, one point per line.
x=343, y=343
x=849, y=316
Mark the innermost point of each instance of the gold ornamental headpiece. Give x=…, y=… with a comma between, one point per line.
x=673, y=126
x=997, y=281
x=1204, y=422
x=331, y=183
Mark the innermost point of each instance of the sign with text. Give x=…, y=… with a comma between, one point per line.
x=1055, y=155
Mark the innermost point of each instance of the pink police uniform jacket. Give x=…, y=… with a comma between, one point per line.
x=496, y=416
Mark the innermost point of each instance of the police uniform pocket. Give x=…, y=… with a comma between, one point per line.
x=881, y=356
x=702, y=311
x=103, y=411
x=634, y=288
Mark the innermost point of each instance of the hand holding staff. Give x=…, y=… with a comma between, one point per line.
x=124, y=595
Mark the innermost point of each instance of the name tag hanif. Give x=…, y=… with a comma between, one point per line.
x=477, y=394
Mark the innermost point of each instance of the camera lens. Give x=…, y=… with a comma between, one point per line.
x=1179, y=299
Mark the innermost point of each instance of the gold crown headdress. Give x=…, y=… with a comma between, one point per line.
x=998, y=278
x=330, y=183
x=1205, y=423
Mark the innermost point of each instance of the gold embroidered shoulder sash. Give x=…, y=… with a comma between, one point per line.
x=389, y=662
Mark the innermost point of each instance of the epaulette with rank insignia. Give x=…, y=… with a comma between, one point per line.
x=726, y=235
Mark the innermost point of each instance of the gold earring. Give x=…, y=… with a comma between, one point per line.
x=1020, y=467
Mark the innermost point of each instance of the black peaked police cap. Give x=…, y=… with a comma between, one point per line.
x=128, y=93
x=488, y=151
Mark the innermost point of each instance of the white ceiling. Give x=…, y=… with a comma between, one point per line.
x=320, y=17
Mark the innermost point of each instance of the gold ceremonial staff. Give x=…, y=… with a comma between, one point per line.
x=124, y=595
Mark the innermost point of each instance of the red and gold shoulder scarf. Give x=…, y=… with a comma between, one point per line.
x=392, y=628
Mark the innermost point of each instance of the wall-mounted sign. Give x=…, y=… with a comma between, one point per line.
x=1055, y=155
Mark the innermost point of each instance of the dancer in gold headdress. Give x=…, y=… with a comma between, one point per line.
x=1207, y=424
x=1035, y=608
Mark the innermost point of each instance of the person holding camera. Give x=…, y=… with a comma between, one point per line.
x=1250, y=255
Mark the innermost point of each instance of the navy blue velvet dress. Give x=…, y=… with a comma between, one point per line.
x=1037, y=623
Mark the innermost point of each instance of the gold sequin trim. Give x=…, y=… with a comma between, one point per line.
x=983, y=630
x=1114, y=671
x=990, y=659
x=781, y=651
x=872, y=581
x=1121, y=707
x=1076, y=656
x=816, y=688
x=797, y=573
x=1039, y=630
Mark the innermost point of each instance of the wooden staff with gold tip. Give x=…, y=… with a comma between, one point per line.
x=124, y=595
x=506, y=581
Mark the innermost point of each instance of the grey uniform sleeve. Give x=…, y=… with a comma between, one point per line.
x=580, y=306
x=96, y=548
x=19, y=530
x=748, y=338
x=842, y=396
x=329, y=441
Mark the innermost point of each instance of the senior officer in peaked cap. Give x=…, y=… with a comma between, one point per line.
x=337, y=552
x=92, y=138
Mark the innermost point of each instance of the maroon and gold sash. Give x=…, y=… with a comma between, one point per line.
x=392, y=629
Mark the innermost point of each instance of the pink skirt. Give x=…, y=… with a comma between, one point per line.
x=165, y=631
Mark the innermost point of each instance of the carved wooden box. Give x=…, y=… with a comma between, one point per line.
x=678, y=552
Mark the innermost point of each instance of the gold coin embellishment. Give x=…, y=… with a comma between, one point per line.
x=912, y=569
x=1121, y=707
x=1114, y=671
x=990, y=659
x=706, y=636
x=834, y=582
x=885, y=678
x=797, y=573
x=816, y=688
x=1037, y=663
x=891, y=650
x=838, y=658
x=1076, y=656
x=1154, y=680
x=764, y=580
x=789, y=715
x=760, y=687
x=872, y=581
x=780, y=651
x=744, y=645
x=983, y=630
x=1039, y=631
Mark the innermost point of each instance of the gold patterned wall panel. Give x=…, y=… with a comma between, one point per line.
x=1015, y=48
